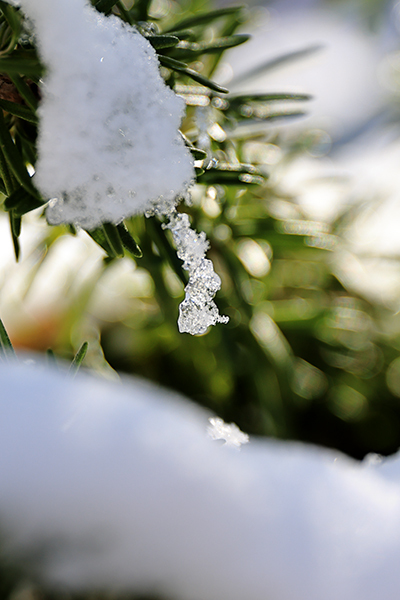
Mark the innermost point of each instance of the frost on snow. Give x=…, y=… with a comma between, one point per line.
x=219, y=430
x=109, y=145
x=198, y=310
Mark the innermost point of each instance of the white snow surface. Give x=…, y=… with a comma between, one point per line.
x=108, y=145
x=219, y=430
x=118, y=486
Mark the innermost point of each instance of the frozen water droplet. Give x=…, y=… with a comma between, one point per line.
x=198, y=311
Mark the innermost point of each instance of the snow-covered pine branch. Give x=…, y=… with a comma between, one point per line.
x=109, y=145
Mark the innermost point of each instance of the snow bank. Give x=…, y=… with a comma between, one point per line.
x=120, y=486
x=108, y=142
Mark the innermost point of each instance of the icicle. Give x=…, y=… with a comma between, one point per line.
x=198, y=311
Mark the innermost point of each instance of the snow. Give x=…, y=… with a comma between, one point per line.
x=108, y=145
x=219, y=430
x=119, y=486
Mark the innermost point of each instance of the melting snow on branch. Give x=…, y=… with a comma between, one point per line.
x=219, y=430
x=198, y=310
x=109, y=145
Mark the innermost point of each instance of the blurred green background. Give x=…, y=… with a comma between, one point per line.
x=304, y=355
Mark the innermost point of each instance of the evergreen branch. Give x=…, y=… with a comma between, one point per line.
x=78, y=359
x=14, y=158
x=6, y=347
x=205, y=18
x=181, y=67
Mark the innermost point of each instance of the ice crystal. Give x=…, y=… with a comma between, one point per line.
x=198, y=311
x=109, y=145
x=233, y=436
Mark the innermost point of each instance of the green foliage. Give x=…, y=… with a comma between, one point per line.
x=301, y=357
x=179, y=67
x=78, y=359
x=6, y=348
x=7, y=352
x=18, y=120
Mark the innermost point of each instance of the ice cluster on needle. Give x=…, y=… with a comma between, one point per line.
x=109, y=145
x=219, y=430
x=198, y=310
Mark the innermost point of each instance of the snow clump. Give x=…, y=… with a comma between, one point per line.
x=109, y=145
x=219, y=430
